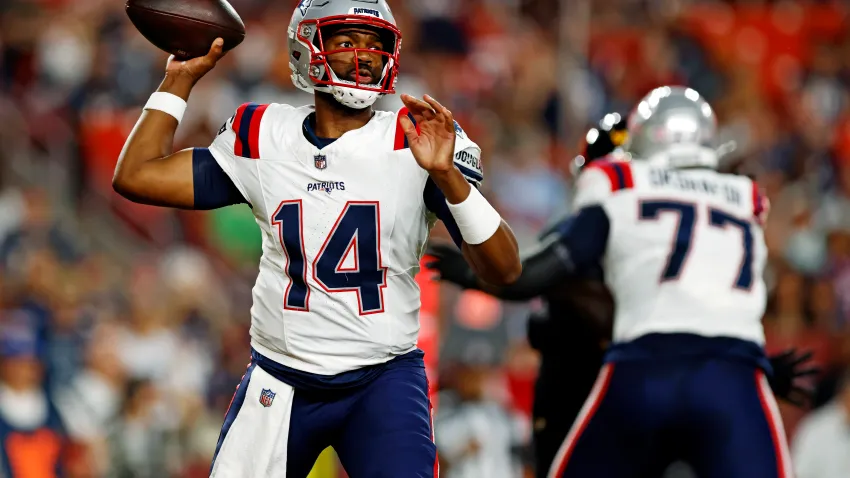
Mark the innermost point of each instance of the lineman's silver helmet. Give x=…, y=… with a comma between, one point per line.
x=308, y=58
x=675, y=127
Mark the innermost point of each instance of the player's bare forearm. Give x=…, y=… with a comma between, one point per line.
x=147, y=172
x=496, y=261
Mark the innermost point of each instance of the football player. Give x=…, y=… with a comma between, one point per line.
x=683, y=252
x=570, y=342
x=573, y=332
x=685, y=378
x=345, y=197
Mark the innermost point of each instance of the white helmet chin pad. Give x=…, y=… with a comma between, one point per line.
x=354, y=98
x=351, y=97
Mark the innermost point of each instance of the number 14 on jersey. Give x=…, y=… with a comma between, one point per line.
x=356, y=233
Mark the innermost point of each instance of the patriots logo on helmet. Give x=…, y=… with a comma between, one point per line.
x=304, y=5
x=267, y=397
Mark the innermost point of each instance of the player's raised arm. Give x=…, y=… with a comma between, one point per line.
x=489, y=244
x=541, y=271
x=147, y=171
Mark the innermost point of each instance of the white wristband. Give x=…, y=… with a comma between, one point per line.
x=167, y=103
x=476, y=218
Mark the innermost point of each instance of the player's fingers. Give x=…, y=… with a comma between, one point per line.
x=216, y=50
x=807, y=391
x=807, y=372
x=414, y=102
x=408, y=128
x=443, y=113
x=434, y=103
x=803, y=358
x=802, y=395
x=417, y=106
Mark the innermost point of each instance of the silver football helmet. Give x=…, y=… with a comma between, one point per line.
x=675, y=127
x=308, y=58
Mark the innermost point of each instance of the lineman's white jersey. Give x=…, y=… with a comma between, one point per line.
x=685, y=251
x=343, y=232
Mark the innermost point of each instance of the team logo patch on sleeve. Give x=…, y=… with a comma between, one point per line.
x=460, y=132
x=267, y=397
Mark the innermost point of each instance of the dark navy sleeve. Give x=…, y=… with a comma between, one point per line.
x=585, y=238
x=435, y=201
x=213, y=188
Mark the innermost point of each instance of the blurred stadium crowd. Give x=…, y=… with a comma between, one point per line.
x=124, y=328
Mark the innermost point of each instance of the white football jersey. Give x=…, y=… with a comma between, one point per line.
x=685, y=252
x=343, y=230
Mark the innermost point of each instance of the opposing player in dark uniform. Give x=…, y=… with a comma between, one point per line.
x=573, y=333
x=569, y=335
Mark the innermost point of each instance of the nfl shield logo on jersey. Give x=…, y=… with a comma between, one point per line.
x=267, y=397
x=321, y=161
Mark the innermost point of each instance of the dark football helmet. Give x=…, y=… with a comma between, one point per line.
x=600, y=141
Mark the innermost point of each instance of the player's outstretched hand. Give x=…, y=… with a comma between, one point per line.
x=196, y=68
x=787, y=368
x=433, y=145
x=450, y=266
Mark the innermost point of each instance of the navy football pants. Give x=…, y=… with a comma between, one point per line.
x=381, y=429
x=719, y=415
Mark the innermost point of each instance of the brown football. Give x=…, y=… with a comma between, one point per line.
x=186, y=28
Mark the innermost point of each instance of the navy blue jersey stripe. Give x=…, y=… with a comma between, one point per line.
x=470, y=173
x=621, y=176
x=245, y=129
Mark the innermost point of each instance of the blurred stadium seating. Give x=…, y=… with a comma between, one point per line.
x=138, y=317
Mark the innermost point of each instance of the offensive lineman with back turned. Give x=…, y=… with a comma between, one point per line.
x=686, y=335
x=345, y=197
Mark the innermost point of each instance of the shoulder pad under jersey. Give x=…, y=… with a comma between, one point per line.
x=599, y=180
x=254, y=129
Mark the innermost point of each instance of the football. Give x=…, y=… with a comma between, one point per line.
x=186, y=28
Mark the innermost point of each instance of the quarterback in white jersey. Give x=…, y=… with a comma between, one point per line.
x=326, y=300
x=682, y=250
x=345, y=198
